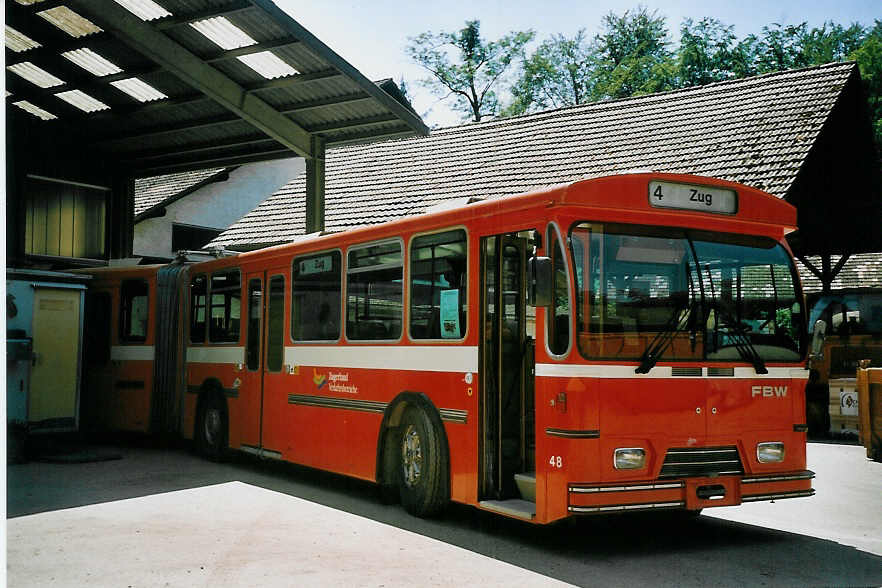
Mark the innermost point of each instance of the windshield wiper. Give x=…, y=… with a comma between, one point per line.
x=741, y=340
x=662, y=340
x=737, y=332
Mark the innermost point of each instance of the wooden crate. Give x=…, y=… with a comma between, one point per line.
x=869, y=388
x=844, y=403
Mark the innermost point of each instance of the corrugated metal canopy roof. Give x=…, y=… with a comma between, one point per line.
x=175, y=85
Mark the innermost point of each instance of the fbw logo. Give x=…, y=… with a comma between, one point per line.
x=768, y=391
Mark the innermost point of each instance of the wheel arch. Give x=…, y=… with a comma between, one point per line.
x=210, y=388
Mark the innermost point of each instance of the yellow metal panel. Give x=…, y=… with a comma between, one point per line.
x=56, y=343
x=53, y=224
x=65, y=239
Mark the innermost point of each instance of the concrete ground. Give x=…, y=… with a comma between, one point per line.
x=164, y=517
x=848, y=486
x=235, y=534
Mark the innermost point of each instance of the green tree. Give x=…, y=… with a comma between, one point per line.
x=556, y=74
x=633, y=56
x=831, y=42
x=869, y=59
x=781, y=47
x=467, y=67
x=707, y=52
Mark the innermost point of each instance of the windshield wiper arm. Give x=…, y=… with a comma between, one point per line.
x=741, y=341
x=662, y=340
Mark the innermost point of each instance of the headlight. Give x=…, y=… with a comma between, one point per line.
x=629, y=458
x=771, y=452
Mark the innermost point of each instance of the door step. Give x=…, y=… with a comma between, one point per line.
x=515, y=507
x=526, y=485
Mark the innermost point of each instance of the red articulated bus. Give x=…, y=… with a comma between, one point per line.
x=621, y=343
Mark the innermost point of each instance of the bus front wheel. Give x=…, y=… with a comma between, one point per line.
x=211, y=429
x=421, y=464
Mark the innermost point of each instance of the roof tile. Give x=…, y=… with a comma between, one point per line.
x=756, y=131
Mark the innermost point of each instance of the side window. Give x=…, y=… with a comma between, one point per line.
x=133, y=312
x=275, y=316
x=255, y=310
x=225, y=307
x=198, y=293
x=438, y=281
x=373, y=292
x=315, y=297
x=558, y=314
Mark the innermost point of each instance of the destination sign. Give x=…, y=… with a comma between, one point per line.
x=693, y=197
x=316, y=265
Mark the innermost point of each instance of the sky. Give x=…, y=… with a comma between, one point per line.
x=372, y=34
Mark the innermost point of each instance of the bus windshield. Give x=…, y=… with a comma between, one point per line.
x=650, y=293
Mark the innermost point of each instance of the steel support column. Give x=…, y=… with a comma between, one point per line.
x=315, y=187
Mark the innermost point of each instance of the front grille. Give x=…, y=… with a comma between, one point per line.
x=691, y=462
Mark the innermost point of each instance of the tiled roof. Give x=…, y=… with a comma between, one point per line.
x=862, y=270
x=757, y=131
x=150, y=192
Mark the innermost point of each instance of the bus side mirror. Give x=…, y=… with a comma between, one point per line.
x=540, y=281
x=818, y=336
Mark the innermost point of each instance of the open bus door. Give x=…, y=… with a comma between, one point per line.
x=507, y=439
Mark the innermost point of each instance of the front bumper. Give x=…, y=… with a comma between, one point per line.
x=688, y=493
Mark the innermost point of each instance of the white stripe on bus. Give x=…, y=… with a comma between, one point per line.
x=557, y=370
x=389, y=357
x=132, y=353
x=216, y=355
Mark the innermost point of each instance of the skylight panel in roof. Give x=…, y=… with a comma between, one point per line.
x=35, y=110
x=268, y=65
x=91, y=62
x=70, y=22
x=144, y=9
x=35, y=75
x=139, y=90
x=82, y=101
x=28, y=2
x=223, y=33
x=19, y=42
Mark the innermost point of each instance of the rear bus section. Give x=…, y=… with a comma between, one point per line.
x=120, y=348
x=132, y=349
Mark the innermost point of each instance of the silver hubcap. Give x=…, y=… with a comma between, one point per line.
x=411, y=456
x=212, y=425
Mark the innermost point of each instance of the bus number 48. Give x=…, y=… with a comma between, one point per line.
x=555, y=461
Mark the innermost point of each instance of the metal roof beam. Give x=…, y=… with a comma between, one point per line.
x=215, y=121
x=370, y=136
x=249, y=141
x=250, y=88
x=189, y=68
x=178, y=20
x=181, y=166
x=353, y=123
x=293, y=80
x=251, y=49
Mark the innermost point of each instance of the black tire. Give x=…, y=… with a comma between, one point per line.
x=388, y=482
x=212, y=428
x=422, y=464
